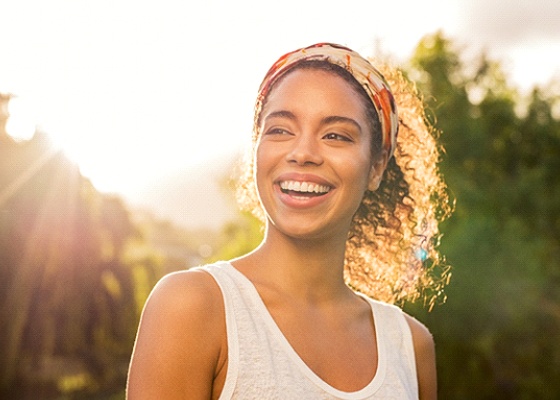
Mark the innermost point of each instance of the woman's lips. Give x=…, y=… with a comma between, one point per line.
x=304, y=188
x=302, y=191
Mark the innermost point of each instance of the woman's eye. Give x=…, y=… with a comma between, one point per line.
x=277, y=131
x=337, y=136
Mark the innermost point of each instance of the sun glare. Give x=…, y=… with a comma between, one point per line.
x=96, y=160
x=20, y=125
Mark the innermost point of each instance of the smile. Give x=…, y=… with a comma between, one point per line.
x=304, y=188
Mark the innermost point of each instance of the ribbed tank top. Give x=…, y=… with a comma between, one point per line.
x=263, y=365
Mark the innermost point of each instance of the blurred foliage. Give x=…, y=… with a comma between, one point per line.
x=76, y=266
x=238, y=237
x=497, y=336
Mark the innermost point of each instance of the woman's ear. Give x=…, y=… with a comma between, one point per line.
x=377, y=170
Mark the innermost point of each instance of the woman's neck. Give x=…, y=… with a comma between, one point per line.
x=304, y=268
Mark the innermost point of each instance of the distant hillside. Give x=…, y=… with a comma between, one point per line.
x=195, y=198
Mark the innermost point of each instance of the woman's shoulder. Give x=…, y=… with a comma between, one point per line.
x=421, y=336
x=425, y=356
x=183, y=303
x=417, y=328
x=187, y=293
x=181, y=334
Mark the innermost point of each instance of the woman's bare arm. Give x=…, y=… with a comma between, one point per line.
x=180, y=340
x=424, y=350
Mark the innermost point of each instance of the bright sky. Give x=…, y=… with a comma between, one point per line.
x=133, y=90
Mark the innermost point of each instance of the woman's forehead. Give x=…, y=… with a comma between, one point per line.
x=313, y=89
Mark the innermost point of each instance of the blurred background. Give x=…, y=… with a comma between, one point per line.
x=120, y=124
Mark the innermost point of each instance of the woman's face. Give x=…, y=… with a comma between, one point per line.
x=313, y=155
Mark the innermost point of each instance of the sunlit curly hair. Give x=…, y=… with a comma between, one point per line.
x=391, y=250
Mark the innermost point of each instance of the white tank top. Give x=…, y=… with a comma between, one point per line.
x=262, y=364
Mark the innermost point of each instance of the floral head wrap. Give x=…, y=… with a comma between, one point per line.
x=361, y=69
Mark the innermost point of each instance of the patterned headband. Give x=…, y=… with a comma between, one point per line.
x=367, y=76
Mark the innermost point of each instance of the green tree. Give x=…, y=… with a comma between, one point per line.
x=496, y=336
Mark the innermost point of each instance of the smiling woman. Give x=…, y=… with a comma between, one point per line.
x=346, y=211
x=322, y=126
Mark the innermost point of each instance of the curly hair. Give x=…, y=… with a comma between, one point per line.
x=391, y=250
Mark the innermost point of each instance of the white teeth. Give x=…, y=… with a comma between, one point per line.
x=304, y=187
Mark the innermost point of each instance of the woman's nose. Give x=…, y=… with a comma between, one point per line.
x=305, y=151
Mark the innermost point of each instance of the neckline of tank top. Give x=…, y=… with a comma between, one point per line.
x=273, y=327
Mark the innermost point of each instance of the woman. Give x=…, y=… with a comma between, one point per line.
x=349, y=211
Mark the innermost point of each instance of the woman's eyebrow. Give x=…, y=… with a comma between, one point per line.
x=281, y=114
x=336, y=118
x=331, y=119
